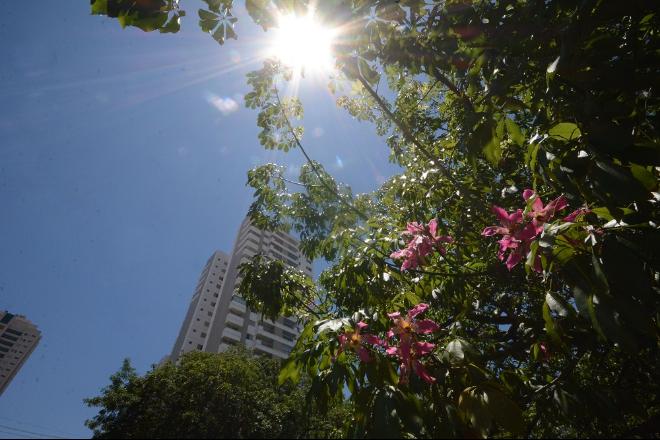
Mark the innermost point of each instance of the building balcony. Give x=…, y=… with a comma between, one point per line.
x=231, y=334
x=272, y=351
x=237, y=306
x=235, y=320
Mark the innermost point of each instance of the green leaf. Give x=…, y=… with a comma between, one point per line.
x=565, y=131
x=472, y=406
x=506, y=413
x=645, y=176
x=207, y=20
x=458, y=350
x=557, y=304
x=550, y=327
x=514, y=131
x=290, y=371
x=493, y=150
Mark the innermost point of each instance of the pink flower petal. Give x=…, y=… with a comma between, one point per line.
x=363, y=354
x=415, y=228
x=420, y=370
x=401, y=253
x=394, y=315
x=514, y=258
x=419, y=308
x=556, y=205
x=575, y=214
x=405, y=350
x=372, y=339
x=537, y=204
x=362, y=325
x=494, y=230
x=516, y=217
x=433, y=227
x=426, y=326
x=423, y=348
x=529, y=232
x=501, y=213
x=527, y=194
x=392, y=351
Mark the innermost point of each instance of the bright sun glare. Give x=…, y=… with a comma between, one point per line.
x=303, y=43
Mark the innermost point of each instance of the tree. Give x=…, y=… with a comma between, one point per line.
x=228, y=395
x=494, y=313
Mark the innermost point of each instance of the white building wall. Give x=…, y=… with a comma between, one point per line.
x=265, y=337
x=196, y=326
x=18, y=339
x=223, y=319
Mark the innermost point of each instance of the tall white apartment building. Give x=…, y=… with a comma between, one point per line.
x=197, y=324
x=231, y=321
x=18, y=339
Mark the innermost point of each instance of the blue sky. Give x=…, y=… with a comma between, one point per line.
x=123, y=165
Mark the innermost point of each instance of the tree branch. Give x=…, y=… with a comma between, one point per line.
x=362, y=215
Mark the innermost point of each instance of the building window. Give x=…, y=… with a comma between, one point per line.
x=199, y=346
x=206, y=323
x=203, y=335
x=210, y=313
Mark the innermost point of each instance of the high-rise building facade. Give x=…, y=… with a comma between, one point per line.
x=231, y=321
x=18, y=339
x=197, y=324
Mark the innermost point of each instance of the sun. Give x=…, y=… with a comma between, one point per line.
x=303, y=43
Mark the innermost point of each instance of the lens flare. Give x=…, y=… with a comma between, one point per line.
x=303, y=43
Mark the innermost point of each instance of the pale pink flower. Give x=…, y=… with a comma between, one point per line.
x=354, y=341
x=423, y=241
x=542, y=214
x=516, y=236
x=409, y=350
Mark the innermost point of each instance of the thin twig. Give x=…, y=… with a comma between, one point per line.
x=362, y=215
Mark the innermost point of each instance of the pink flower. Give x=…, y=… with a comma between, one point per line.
x=510, y=222
x=576, y=214
x=354, y=341
x=516, y=236
x=423, y=241
x=409, y=350
x=542, y=214
x=409, y=324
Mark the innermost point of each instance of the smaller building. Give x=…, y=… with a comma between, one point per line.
x=18, y=339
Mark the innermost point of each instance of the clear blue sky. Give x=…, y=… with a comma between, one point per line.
x=119, y=175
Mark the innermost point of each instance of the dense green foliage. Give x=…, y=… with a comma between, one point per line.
x=490, y=98
x=228, y=395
